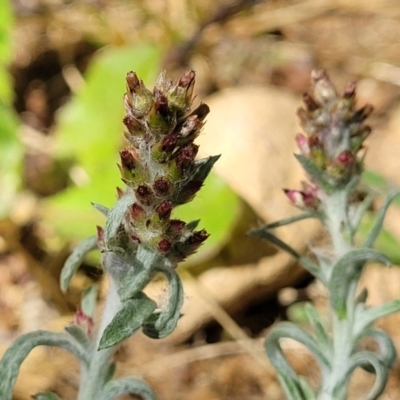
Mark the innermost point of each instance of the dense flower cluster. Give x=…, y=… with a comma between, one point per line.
x=331, y=150
x=159, y=166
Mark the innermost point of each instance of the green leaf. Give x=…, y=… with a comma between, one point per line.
x=368, y=316
x=140, y=273
x=114, y=220
x=379, y=220
x=90, y=131
x=346, y=271
x=210, y=204
x=89, y=300
x=360, y=359
x=165, y=322
x=14, y=356
x=318, y=328
x=292, y=331
x=130, y=386
x=79, y=335
x=128, y=320
x=46, y=396
x=314, y=172
x=290, y=220
x=386, y=349
x=270, y=237
x=75, y=259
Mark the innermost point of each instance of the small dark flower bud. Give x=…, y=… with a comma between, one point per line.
x=161, y=187
x=138, y=98
x=342, y=167
x=144, y=194
x=350, y=90
x=187, y=156
x=201, y=111
x=128, y=159
x=133, y=125
x=164, y=245
x=136, y=211
x=176, y=226
x=181, y=92
x=161, y=104
x=100, y=238
x=310, y=102
x=164, y=209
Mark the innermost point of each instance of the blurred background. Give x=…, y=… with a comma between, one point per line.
x=62, y=76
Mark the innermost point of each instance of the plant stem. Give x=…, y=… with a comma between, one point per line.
x=342, y=329
x=93, y=378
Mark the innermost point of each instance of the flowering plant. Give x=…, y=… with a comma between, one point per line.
x=138, y=241
x=332, y=155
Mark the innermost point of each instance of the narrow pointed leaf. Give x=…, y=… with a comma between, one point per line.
x=131, y=386
x=379, y=220
x=115, y=218
x=14, y=356
x=75, y=259
x=270, y=237
x=167, y=319
x=102, y=209
x=79, y=335
x=361, y=359
x=318, y=328
x=46, y=396
x=370, y=315
x=290, y=220
x=291, y=387
x=386, y=351
x=314, y=172
x=344, y=273
x=291, y=331
x=128, y=320
x=89, y=300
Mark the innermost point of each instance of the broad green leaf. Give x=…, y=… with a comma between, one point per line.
x=131, y=386
x=15, y=355
x=128, y=320
x=90, y=131
x=75, y=259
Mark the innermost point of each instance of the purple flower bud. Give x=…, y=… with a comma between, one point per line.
x=302, y=143
x=164, y=245
x=176, y=226
x=187, y=155
x=136, y=211
x=302, y=200
x=161, y=186
x=350, y=90
x=85, y=322
x=164, y=209
x=144, y=194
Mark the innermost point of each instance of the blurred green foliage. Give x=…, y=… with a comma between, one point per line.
x=89, y=131
x=10, y=146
